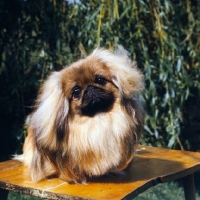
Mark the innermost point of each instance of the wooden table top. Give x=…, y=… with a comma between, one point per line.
x=149, y=167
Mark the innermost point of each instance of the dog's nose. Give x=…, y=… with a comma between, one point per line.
x=90, y=91
x=90, y=88
x=96, y=100
x=91, y=95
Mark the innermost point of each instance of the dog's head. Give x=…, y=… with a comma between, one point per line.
x=89, y=88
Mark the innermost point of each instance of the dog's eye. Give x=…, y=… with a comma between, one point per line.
x=76, y=91
x=100, y=80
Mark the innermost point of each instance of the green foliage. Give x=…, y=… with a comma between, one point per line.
x=170, y=190
x=37, y=37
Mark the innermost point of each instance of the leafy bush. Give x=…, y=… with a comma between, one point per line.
x=37, y=37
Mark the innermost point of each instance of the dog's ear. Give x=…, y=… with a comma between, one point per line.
x=126, y=76
x=49, y=120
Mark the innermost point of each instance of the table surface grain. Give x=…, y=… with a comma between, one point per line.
x=149, y=167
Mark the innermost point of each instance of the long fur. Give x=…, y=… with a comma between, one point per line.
x=77, y=147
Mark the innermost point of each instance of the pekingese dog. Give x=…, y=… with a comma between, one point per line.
x=87, y=119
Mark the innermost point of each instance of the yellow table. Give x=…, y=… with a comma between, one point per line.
x=149, y=167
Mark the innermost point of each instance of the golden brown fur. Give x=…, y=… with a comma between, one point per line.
x=74, y=139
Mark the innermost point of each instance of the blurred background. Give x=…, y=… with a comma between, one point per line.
x=37, y=37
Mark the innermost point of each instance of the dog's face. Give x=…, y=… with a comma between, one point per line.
x=88, y=86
